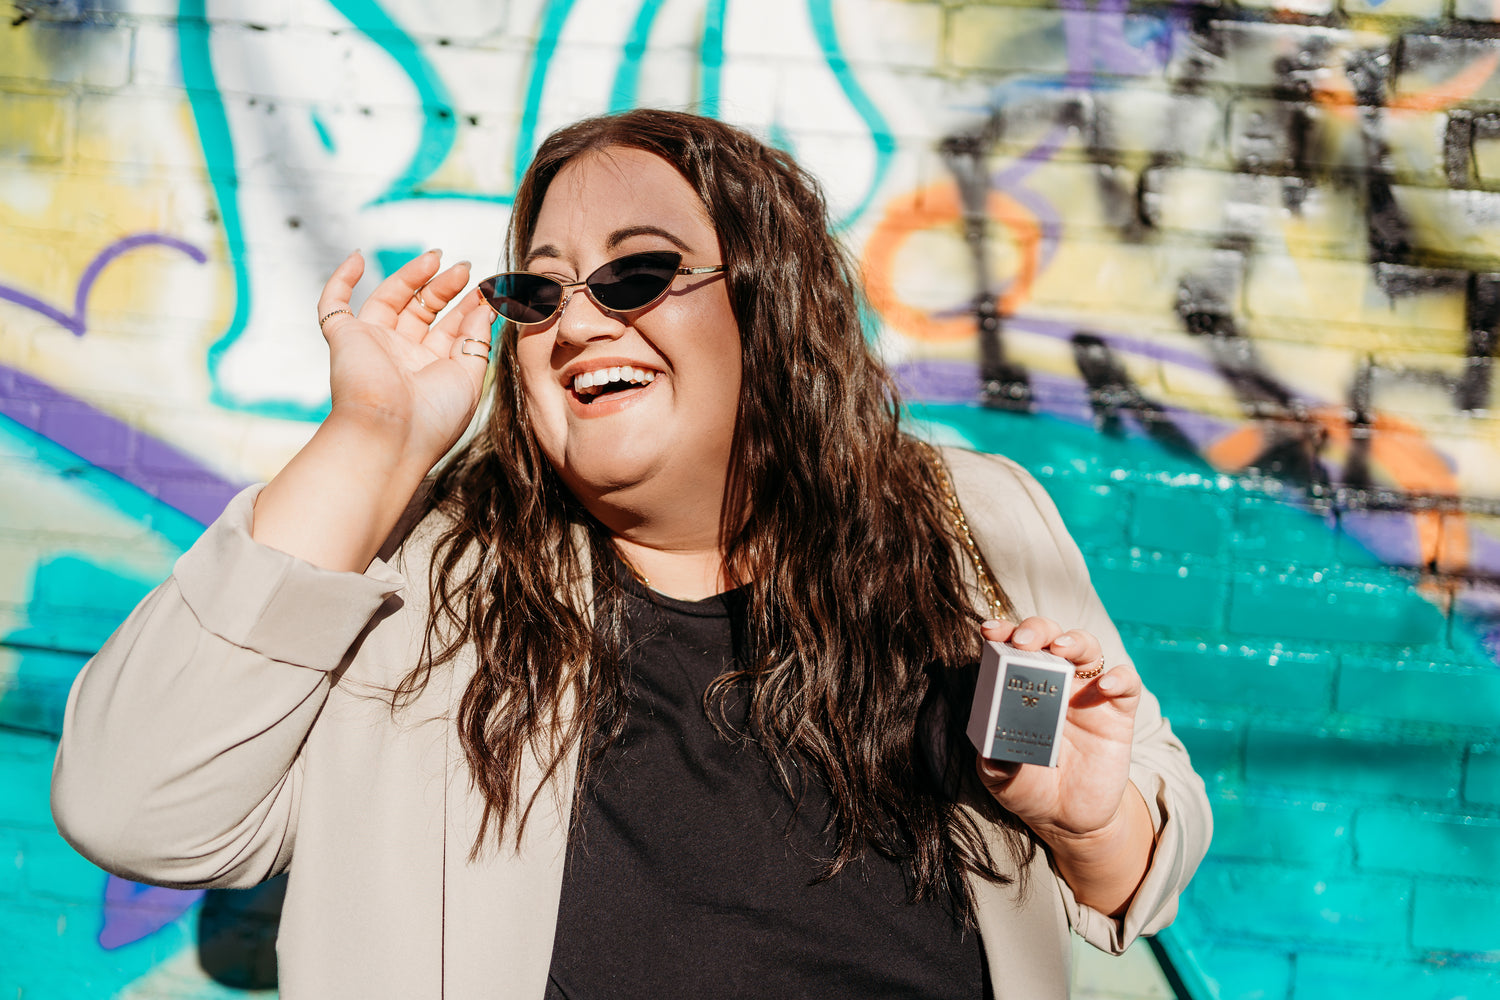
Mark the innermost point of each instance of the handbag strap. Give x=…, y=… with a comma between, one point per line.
x=994, y=596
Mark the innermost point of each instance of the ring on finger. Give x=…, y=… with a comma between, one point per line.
x=1093, y=671
x=329, y=315
x=423, y=302
x=484, y=344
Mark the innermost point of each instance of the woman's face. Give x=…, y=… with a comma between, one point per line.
x=661, y=433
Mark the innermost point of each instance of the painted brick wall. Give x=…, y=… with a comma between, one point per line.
x=1226, y=277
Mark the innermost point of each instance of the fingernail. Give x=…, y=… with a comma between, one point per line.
x=1022, y=635
x=464, y=263
x=1063, y=641
x=436, y=251
x=991, y=623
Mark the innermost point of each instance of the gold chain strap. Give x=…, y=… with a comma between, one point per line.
x=998, y=606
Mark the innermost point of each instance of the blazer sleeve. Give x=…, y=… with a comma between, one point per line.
x=1041, y=550
x=178, y=763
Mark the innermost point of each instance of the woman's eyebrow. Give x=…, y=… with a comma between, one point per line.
x=615, y=239
x=545, y=250
x=621, y=235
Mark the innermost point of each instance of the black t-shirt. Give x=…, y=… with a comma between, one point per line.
x=683, y=878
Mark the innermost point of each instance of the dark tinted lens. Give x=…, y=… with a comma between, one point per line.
x=522, y=297
x=634, y=281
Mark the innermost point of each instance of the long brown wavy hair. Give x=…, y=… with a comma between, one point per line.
x=862, y=626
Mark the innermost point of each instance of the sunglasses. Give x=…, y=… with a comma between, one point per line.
x=625, y=284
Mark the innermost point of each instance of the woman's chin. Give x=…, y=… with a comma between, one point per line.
x=592, y=474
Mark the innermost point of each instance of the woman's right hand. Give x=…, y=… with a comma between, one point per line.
x=404, y=389
x=395, y=366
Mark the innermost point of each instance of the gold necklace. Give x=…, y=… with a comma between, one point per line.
x=639, y=576
x=987, y=581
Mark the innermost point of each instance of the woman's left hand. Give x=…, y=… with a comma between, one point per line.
x=1082, y=797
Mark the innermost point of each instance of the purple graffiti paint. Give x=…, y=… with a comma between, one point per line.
x=165, y=472
x=1484, y=553
x=1114, y=53
x=1048, y=220
x=1124, y=343
x=77, y=322
x=1095, y=41
x=133, y=911
x=1078, y=34
x=1387, y=535
x=1009, y=178
x=1053, y=395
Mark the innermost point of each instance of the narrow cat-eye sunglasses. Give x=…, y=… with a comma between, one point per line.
x=625, y=284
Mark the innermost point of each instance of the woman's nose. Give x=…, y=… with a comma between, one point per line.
x=581, y=321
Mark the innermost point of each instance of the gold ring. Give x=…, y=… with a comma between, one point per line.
x=1091, y=672
x=329, y=315
x=423, y=302
x=464, y=348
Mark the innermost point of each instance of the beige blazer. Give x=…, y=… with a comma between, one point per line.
x=232, y=729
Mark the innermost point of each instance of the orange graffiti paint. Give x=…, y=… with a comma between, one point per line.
x=1399, y=450
x=937, y=207
x=1340, y=99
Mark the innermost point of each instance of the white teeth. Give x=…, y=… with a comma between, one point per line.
x=587, y=383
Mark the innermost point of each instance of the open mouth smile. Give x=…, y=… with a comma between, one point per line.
x=611, y=380
x=594, y=389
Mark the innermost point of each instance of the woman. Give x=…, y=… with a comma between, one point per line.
x=664, y=691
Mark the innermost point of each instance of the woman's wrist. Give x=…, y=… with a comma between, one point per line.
x=1104, y=867
x=338, y=499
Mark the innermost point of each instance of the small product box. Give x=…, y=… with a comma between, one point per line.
x=1019, y=704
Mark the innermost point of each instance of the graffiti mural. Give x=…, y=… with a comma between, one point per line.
x=1226, y=279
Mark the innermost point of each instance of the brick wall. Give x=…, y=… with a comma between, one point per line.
x=1225, y=277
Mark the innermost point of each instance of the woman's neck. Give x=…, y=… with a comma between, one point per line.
x=689, y=574
x=669, y=538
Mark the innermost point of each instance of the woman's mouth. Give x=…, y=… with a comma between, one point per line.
x=591, y=388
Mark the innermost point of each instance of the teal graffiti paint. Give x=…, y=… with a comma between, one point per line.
x=218, y=155
x=870, y=322
x=622, y=94
x=711, y=57
x=782, y=139
x=76, y=604
x=439, y=125
x=102, y=486
x=554, y=17
x=324, y=136
x=821, y=13
x=1383, y=743
x=438, y=132
x=390, y=259
x=54, y=949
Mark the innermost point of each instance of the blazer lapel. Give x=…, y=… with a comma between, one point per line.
x=500, y=908
x=1020, y=930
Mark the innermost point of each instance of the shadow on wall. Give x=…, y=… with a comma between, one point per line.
x=237, y=935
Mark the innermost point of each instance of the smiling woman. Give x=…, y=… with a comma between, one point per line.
x=647, y=462
x=657, y=686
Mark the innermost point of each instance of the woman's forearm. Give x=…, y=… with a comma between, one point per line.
x=340, y=497
x=1105, y=868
